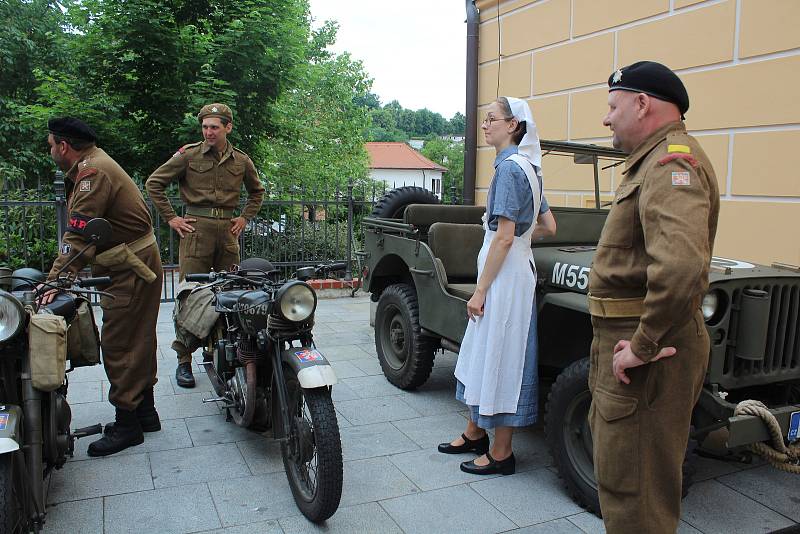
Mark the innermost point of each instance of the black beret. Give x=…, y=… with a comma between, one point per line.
x=72, y=128
x=653, y=79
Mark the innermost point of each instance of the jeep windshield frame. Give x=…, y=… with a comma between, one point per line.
x=586, y=154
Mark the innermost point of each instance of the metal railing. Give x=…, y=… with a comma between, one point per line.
x=295, y=227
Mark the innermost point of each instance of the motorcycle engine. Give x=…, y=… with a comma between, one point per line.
x=57, y=417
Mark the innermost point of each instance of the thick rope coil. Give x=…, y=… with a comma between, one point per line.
x=781, y=456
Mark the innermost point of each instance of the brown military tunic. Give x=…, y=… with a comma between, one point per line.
x=656, y=244
x=101, y=188
x=207, y=180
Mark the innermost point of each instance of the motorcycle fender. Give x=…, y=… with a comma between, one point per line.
x=312, y=368
x=10, y=417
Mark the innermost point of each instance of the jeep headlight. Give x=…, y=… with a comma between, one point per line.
x=11, y=316
x=713, y=305
x=296, y=301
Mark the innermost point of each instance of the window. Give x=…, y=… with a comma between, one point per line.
x=436, y=186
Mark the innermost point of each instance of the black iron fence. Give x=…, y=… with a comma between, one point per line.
x=296, y=226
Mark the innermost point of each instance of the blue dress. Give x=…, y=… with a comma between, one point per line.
x=510, y=196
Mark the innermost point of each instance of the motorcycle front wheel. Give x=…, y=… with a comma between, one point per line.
x=312, y=455
x=12, y=509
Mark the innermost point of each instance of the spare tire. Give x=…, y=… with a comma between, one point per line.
x=394, y=203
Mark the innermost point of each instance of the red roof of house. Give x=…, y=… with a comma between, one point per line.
x=398, y=156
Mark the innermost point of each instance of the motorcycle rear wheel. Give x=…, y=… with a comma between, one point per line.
x=312, y=456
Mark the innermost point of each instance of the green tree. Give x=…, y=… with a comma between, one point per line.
x=450, y=155
x=318, y=140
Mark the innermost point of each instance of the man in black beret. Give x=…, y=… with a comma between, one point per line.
x=650, y=273
x=98, y=187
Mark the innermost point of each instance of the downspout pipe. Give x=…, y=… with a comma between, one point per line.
x=471, y=135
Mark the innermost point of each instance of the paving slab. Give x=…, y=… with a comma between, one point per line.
x=558, y=526
x=369, y=441
x=528, y=498
x=369, y=517
x=429, y=469
x=262, y=527
x=72, y=517
x=262, y=455
x=373, y=479
x=773, y=488
x=377, y=410
x=714, y=508
x=428, y=432
x=346, y=369
x=457, y=509
x=435, y=401
x=213, y=429
x=251, y=499
x=185, y=406
x=100, y=477
x=369, y=366
x=342, y=352
x=372, y=386
x=177, y=510
x=83, y=392
x=342, y=392
x=197, y=464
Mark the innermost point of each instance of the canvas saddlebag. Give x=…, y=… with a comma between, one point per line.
x=83, y=346
x=47, y=345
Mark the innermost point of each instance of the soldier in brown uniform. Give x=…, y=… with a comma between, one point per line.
x=210, y=175
x=98, y=187
x=650, y=349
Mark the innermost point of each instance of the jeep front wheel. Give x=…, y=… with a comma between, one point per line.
x=405, y=354
x=568, y=435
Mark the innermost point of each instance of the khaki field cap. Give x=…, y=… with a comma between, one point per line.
x=215, y=110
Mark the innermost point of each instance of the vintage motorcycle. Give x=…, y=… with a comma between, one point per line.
x=35, y=435
x=266, y=371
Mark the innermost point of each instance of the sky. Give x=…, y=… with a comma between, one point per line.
x=415, y=50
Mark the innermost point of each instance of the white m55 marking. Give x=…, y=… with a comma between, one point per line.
x=570, y=275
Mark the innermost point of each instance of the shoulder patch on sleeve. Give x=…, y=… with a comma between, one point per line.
x=678, y=155
x=182, y=150
x=683, y=149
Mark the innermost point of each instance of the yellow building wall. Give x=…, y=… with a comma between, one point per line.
x=739, y=60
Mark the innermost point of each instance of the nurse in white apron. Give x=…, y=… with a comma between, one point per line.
x=496, y=370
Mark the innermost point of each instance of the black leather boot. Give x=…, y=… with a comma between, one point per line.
x=145, y=412
x=184, y=376
x=125, y=433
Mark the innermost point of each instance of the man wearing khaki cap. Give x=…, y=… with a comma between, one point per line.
x=210, y=175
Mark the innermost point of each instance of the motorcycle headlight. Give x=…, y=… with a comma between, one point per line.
x=296, y=301
x=713, y=305
x=11, y=316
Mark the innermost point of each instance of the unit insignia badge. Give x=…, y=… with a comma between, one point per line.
x=617, y=76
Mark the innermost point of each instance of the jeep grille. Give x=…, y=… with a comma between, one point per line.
x=782, y=348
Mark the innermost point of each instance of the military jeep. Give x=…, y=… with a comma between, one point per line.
x=420, y=266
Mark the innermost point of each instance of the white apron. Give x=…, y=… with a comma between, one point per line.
x=493, y=350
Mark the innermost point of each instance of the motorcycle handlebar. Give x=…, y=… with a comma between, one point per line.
x=338, y=266
x=93, y=282
x=199, y=277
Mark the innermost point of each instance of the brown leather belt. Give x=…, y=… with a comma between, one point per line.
x=214, y=213
x=609, y=308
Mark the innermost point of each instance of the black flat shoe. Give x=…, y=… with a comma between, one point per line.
x=504, y=467
x=480, y=446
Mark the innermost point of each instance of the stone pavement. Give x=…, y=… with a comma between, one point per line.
x=201, y=474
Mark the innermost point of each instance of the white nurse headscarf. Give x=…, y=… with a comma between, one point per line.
x=529, y=146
